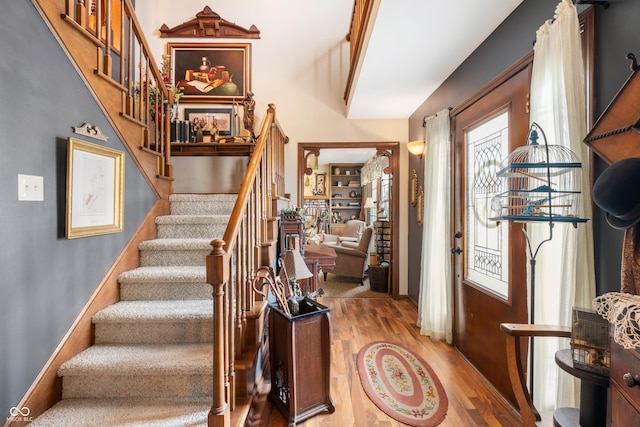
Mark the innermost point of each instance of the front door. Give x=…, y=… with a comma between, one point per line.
x=490, y=261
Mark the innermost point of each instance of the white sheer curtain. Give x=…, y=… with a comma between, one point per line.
x=434, y=302
x=564, y=266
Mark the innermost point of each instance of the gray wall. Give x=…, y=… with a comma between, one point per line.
x=45, y=279
x=617, y=34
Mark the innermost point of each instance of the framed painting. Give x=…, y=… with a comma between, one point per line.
x=211, y=72
x=95, y=189
x=212, y=118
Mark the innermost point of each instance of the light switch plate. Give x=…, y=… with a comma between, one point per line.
x=30, y=188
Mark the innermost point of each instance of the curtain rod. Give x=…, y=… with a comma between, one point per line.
x=424, y=119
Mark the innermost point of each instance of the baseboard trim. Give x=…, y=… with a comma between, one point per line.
x=46, y=389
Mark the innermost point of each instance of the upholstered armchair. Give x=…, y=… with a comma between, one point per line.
x=352, y=257
x=350, y=233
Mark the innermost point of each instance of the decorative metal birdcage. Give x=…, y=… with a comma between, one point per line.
x=540, y=183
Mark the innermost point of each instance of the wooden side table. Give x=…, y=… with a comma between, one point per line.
x=300, y=353
x=593, y=396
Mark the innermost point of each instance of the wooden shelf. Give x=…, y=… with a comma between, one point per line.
x=211, y=149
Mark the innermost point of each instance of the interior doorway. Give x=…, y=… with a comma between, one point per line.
x=350, y=154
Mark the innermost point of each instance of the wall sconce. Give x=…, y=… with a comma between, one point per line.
x=416, y=148
x=311, y=161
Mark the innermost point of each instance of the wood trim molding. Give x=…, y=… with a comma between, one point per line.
x=46, y=389
x=209, y=24
x=390, y=149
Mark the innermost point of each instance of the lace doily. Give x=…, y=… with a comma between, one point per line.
x=623, y=311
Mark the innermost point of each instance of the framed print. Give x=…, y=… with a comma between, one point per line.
x=420, y=202
x=211, y=72
x=414, y=188
x=321, y=184
x=211, y=118
x=95, y=189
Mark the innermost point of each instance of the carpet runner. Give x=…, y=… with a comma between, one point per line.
x=152, y=360
x=401, y=384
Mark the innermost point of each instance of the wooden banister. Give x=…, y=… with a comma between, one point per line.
x=235, y=258
x=518, y=335
x=360, y=18
x=135, y=98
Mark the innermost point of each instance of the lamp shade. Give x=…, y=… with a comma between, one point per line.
x=295, y=265
x=416, y=147
x=369, y=204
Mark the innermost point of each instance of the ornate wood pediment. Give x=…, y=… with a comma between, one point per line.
x=208, y=24
x=616, y=134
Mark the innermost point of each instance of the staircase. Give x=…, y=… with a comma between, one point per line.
x=151, y=363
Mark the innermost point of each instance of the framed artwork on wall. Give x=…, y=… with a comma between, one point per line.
x=211, y=72
x=321, y=184
x=413, y=193
x=211, y=118
x=95, y=189
x=420, y=202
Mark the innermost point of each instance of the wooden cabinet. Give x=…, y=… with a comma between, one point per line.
x=300, y=353
x=625, y=386
x=346, y=192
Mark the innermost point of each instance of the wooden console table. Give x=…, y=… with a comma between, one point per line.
x=318, y=258
x=300, y=357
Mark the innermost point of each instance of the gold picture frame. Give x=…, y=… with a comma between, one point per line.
x=95, y=189
x=420, y=202
x=211, y=72
x=414, y=188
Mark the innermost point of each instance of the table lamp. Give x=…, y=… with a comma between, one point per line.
x=295, y=268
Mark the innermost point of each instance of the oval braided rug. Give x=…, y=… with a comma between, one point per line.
x=401, y=384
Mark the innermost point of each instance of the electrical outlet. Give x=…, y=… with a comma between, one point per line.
x=30, y=188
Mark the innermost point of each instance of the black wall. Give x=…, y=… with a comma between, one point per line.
x=617, y=34
x=45, y=279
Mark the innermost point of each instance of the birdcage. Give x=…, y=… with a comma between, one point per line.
x=539, y=183
x=590, y=348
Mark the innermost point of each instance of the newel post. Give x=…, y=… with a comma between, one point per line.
x=217, y=274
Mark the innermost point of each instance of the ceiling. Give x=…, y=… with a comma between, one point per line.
x=413, y=46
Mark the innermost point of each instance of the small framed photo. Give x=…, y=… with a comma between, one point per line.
x=212, y=118
x=211, y=72
x=95, y=189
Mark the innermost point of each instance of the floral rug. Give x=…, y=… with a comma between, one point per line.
x=401, y=384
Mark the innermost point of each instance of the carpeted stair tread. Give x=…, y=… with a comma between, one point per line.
x=186, y=197
x=175, y=244
x=154, y=274
x=192, y=412
x=192, y=219
x=150, y=359
x=155, y=311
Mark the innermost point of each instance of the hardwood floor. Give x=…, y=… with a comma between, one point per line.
x=356, y=322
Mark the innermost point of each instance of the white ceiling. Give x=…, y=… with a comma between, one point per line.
x=413, y=47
